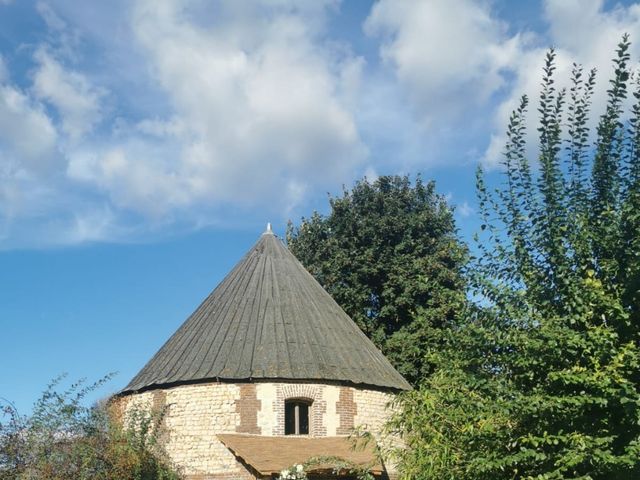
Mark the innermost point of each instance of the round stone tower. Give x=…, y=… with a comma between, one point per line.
x=267, y=372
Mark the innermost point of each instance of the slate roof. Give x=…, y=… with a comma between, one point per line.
x=268, y=319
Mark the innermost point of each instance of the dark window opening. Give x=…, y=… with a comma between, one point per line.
x=296, y=417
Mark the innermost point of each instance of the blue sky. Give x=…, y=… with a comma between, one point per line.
x=144, y=144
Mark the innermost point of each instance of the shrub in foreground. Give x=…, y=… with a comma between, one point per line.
x=64, y=439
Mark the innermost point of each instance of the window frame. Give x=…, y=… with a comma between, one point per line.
x=297, y=419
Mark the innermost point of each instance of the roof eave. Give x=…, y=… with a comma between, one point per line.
x=158, y=386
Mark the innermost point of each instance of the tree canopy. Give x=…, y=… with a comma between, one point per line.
x=540, y=379
x=388, y=254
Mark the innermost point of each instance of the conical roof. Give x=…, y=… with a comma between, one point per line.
x=268, y=319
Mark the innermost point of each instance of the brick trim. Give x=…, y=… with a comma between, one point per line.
x=347, y=410
x=247, y=406
x=317, y=426
x=158, y=400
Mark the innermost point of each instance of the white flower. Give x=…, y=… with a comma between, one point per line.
x=299, y=468
x=284, y=473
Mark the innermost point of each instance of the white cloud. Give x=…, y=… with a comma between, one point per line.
x=73, y=96
x=454, y=57
x=50, y=17
x=220, y=110
x=255, y=114
x=580, y=26
x=3, y=70
x=258, y=115
x=370, y=174
x=60, y=35
x=136, y=176
x=93, y=224
x=26, y=132
x=581, y=32
x=450, y=56
x=38, y=205
x=465, y=210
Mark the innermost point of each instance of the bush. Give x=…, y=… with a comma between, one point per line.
x=64, y=439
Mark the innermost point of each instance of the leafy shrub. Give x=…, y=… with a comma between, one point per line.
x=63, y=439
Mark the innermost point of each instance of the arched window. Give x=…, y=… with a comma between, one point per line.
x=296, y=417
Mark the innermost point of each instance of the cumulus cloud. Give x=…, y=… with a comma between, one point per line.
x=28, y=155
x=446, y=70
x=257, y=113
x=581, y=32
x=209, y=111
x=60, y=35
x=449, y=56
x=73, y=96
x=51, y=18
x=27, y=135
x=580, y=26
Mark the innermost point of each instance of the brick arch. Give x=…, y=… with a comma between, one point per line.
x=313, y=393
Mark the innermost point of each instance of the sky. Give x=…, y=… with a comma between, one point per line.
x=144, y=144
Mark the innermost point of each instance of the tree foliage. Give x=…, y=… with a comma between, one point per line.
x=541, y=379
x=388, y=254
x=64, y=439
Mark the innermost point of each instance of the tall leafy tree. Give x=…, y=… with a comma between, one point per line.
x=541, y=380
x=388, y=253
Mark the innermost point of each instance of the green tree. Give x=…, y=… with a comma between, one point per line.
x=388, y=254
x=541, y=379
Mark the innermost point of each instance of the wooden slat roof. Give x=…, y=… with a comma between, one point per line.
x=268, y=319
x=269, y=455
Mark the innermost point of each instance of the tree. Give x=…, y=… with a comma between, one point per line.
x=388, y=254
x=541, y=379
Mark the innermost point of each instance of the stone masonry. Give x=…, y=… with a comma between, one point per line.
x=196, y=413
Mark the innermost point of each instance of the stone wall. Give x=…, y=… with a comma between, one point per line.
x=371, y=408
x=196, y=413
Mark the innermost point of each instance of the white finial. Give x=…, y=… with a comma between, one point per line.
x=268, y=230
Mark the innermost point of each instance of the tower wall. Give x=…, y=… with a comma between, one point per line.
x=196, y=413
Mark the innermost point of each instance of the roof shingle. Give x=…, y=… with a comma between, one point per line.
x=268, y=319
x=269, y=455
